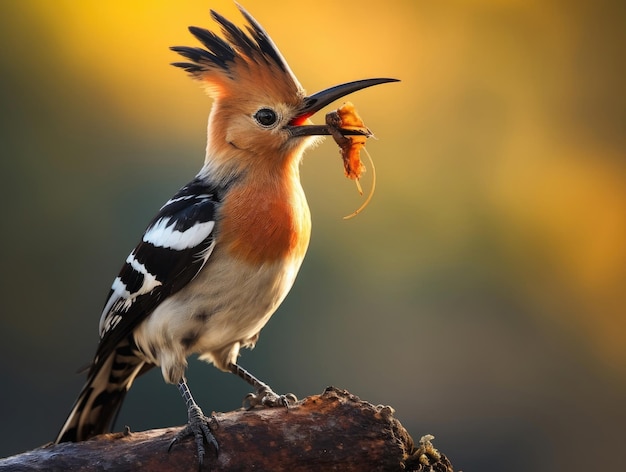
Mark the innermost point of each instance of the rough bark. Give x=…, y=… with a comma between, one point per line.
x=331, y=431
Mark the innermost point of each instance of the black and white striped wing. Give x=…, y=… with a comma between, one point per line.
x=174, y=248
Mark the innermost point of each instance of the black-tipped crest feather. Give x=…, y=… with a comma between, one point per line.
x=253, y=45
x=234, y=34
x=264, y=42
x=221, y=50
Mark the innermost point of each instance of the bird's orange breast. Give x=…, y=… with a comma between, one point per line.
x=263, y=222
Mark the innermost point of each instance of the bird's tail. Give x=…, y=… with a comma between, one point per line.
x=101, y=398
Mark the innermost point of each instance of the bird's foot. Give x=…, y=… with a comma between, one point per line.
x=199, y=427
x=265, y=396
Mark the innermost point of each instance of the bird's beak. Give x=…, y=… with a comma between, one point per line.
x=319, y=100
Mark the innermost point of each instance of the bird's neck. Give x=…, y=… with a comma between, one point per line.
x=265, y=216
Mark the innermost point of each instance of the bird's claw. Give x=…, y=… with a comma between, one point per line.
x=199, y=427
x=265, y=396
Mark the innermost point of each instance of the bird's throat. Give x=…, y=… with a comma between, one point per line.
x=266, y=221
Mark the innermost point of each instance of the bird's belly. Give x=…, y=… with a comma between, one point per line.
x=224, y=308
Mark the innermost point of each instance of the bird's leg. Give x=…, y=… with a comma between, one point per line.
x=198, y=425
x=264, y=395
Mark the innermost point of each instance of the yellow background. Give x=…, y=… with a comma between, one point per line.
x=483, y=291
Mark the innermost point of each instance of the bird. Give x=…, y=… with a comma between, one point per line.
x=220, y=256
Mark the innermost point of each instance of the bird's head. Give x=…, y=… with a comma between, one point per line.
x=260, y=110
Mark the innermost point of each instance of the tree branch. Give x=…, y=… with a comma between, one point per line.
x=331, y=431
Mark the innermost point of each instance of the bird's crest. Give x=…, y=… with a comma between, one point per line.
x=240, y=61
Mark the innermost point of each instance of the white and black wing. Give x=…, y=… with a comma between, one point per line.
x=174, y=248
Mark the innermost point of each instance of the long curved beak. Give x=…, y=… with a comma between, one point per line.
x=319, y=100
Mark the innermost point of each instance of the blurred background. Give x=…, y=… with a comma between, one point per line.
x=482, y=293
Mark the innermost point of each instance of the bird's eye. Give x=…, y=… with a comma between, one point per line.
x=266, y=117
